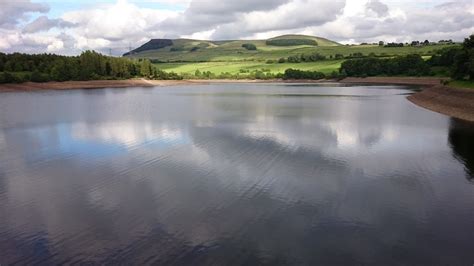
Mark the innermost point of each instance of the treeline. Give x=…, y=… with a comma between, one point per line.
x=413, y=43
x=90, y=65
x=302, y=74
x=265, y=74
x=314, y=57
x=459, y=63
x=411, y=65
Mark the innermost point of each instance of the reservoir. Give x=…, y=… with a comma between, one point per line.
x=234, y=174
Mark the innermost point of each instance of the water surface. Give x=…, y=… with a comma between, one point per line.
x=234, y=174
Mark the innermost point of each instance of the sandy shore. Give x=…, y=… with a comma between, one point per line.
x=97, y=84
x=453, y=102
x=92, y=84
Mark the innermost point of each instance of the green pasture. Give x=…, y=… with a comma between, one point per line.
x=238, y=67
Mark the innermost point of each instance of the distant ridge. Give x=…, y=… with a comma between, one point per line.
x=191, y=45
x=153, y=44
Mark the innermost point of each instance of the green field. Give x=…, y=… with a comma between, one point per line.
x=237, y=67
x=185, y=56
x=264, y=53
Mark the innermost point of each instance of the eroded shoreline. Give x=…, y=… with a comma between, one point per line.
x=455, y=102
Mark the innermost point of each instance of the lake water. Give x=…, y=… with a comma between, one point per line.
x=234, y=174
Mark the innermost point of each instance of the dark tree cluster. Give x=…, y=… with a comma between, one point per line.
x=302, y=74
x=393, y=44
x=446, y=41
x=90, y=65
x=411, y=65
x=318, y=57
x=303, y=58
x=249, y=46
x=418, y=43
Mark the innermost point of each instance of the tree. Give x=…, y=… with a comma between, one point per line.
x=197, y=73
x=463, y=67
x=145, y=68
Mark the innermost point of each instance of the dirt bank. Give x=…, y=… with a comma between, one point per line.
x=92, y=84
x=454, y=102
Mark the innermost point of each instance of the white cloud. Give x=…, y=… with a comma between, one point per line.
x=43, y=23
x=124, y=23
x=114, y=25
x=296, y=14
x=13, y=12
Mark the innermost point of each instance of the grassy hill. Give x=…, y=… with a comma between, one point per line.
x=187, y=55
x=203, y=51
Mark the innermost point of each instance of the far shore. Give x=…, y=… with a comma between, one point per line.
x=455, y=102
x=97, y=84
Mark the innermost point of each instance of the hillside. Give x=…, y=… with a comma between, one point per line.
x=186, y=56
x=178, y=50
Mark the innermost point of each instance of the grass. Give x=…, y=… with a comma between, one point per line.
x=233, y=51
x=462, y=84
x=236, y=67
x=230, y=57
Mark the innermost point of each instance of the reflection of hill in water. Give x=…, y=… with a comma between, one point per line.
x=461, y=138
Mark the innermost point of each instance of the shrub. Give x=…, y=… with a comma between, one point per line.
x=249, y=46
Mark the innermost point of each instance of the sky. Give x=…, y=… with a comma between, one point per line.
x=113, y=26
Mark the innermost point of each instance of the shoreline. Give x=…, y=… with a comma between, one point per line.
x=98, y=84
x=454, y=102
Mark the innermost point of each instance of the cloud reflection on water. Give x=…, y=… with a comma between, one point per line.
x=295, y=180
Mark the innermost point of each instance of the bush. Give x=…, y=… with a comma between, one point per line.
x=249, y=46
x=294, y=59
